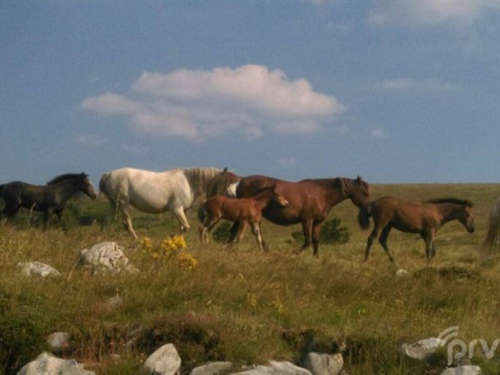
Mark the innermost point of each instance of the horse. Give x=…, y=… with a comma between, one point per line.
x=244, y=211
x=423, y=218
x=49, y=199
x=151, y=192
x=309, y=201
x=224, y=183
x=492, y=240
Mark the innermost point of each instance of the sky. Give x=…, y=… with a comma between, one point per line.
x=395, y=91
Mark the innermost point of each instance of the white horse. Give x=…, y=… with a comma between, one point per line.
x=155, y=192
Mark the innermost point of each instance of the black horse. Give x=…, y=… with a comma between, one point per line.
x=49, y=199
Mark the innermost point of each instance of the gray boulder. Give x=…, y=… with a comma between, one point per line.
x=106, y=257
x=46, y=364
x=277, y=368
x=164, y=361
x=462, y=370
x=58, y=341
x=212, y=368
x=324, y=364
x=422, y=349
x=37, y=269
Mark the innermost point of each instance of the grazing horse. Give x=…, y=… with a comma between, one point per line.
x=309, y=201
x=422, y=218
x=49, y=199
x=155, y=192
x=244, y=211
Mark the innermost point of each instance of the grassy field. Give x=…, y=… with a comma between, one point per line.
x=240, y=305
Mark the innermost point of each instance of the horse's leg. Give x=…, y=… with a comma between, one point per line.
x=430, y=251
x=126, y=219
x=383, y=241
x=369, y=243
x=206, y=228
x=178, y=212
x=315, y=237
x=258, y=236
x=307, y=227
x=233, y=232
x=242, y=226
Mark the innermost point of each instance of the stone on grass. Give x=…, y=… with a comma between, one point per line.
x=422, y=349
x=164, y=361
x=212, y=368
x=58, y=341
x=47, y=364
x=106, y=257
x=324, y=364
x=462, y=370
x=276, y=368
x=37, y=269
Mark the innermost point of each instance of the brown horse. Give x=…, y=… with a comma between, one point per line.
x=245, y=211
x=422, y=218
x=310, y=201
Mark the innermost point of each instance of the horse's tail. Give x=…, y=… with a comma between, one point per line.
x=102, y=184
x=364, y=215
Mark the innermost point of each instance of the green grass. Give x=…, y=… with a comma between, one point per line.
x=244, y=306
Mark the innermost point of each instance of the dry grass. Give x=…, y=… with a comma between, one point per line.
x=243, y=306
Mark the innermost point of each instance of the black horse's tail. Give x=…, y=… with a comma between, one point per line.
x=364, y=215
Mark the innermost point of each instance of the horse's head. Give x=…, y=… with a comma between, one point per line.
x=224, y=183
x=466, y=217
x=85, y=186
x=357, y=190
x=278, y=198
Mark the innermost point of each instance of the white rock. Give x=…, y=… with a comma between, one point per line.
x=277, y=368
x=421, y=349
x=46, y=364
x=58, y=341
x=37, y=269
x=164, y=361
x=324, y=364
x=462, y=370
x=106, y=256
x=401, y=272
x=212, y=368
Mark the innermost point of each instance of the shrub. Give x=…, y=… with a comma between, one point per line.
x=332, y=232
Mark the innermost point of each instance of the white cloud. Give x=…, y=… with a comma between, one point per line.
x=377, y=133
x=410, y=84
x=196, y=104
x=287, y=162
x=431, y=12
x=90, y=140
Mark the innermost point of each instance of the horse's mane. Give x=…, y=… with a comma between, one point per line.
x=65, y=177
x=463, y=202
x=199, y=177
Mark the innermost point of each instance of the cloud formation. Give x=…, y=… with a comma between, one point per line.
x=199, y=104
x=431, y=12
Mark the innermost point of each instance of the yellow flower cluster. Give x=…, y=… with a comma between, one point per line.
x=169, y=248
x=187, y=261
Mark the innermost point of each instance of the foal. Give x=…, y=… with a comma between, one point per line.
x=422, y=218
x=244, y=211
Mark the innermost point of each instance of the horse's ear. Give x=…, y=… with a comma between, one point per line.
x=225, y=170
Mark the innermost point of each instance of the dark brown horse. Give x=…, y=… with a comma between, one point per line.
x=422, y=218
x=244, y=211
x=49, y=199
x=309, y=201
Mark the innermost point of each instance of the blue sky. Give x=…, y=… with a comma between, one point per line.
x=394, y=91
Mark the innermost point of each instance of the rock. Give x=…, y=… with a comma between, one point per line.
x=106, y=256
x=164, y=361
x=277, y=368
x=38, y=269
x=46, y=364
x=401, y=272
x=462, y=370
x=213, y=368
x=58, y=341
x=324, y=364
x=421, y=349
